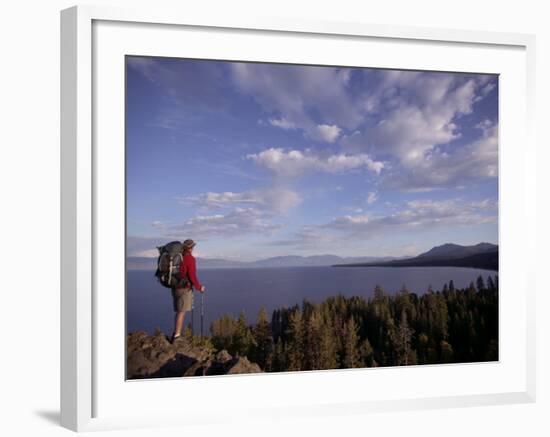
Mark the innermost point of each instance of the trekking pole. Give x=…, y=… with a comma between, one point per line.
x=202, y=313
x=192, y=317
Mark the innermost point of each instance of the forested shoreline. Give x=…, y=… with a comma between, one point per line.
x=445, y=326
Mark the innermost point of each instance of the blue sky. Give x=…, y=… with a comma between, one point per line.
x=254, y=160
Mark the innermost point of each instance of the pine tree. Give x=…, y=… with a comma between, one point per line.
x=351, y=357
x=262, y=353
x=328, y=353
x=491, y=284
x=423, y=345
x=279, y=359
x=223, y=333
x=296, y=343
x=458, y=325
x=451, y=285
x=379, y=294
x=402, y=341
x=437, y=315
x=312, y=340
x=366, y=353
x=442, y=316
x=446, y=352
x=404, y=302
x=243, y=339
x=480, y=284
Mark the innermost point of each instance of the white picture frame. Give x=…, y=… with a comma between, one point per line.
x=84, y=316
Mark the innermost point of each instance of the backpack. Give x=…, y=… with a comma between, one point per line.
x=168, y=266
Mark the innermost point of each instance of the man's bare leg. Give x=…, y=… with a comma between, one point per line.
x=178, y=323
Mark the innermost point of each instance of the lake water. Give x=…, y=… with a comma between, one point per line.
x=230, y=291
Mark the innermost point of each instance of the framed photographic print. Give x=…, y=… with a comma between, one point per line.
x=337, y=211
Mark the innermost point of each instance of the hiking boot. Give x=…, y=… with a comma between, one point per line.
x=175, y=338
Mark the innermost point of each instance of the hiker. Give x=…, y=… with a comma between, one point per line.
x=183, y=297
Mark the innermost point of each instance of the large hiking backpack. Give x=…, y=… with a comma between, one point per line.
x=168, y=266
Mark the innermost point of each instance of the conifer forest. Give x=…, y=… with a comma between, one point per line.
x=388, y=329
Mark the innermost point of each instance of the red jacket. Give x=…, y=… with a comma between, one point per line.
x=189, y=268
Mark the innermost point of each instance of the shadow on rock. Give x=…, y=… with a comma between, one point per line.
x=155, y=357
x=177, y=366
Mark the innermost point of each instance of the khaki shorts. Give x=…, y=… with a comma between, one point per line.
x=182, y=299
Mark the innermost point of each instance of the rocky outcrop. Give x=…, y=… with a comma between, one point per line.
x=155, y=357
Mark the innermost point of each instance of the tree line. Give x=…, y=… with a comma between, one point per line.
x=447, y=326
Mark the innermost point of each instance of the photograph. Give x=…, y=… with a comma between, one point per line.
x=295, y=217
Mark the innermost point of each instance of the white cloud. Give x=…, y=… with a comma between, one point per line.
x=283, y=123
x=352, y=209
x=417, y=112
x=148, y=253
x=148, y=67
x=274, y=199
x=307, y=237
x=465, y=164
x=351, y=219
x=235, y=223
x=485, y=91
x=294, y=162
x=143, y=246
x=372, y=197
x=304, y=97
x=329, y=133
x=190, y=83
x=412, y=216
x=418, y=214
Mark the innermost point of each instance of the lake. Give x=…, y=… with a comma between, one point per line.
x=230, y=291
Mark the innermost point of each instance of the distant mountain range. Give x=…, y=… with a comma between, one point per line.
x=142, y=263
x=450, y=250
x=481, y=256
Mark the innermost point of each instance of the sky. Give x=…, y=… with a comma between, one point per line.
x=253, y=160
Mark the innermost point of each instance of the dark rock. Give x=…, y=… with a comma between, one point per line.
x=155, y=357
x=223, y=356
x=197, y=369
x=243, y=365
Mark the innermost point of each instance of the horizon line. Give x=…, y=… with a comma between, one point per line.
x=322, y=254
